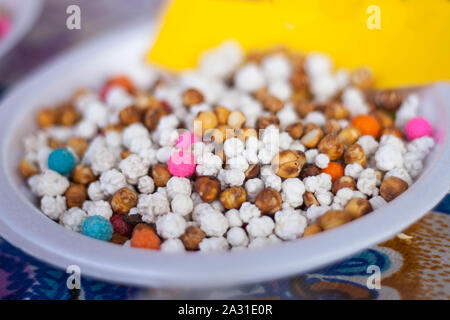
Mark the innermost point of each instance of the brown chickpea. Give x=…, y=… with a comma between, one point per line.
x=83, y=174
x=295, y=130
x=27, y=168
x=192, y=237
x=358, y=207
x=312, y=229
x=355, y=154
x=331, y=146
x=75, y=195
x=222, y=114
x=233, y=198
x=343, y=182
x=130, y=115
x=392, y=187
x=123, y=200
x=269, y=201
x=349, y=135
x=207, y=187
x=333, y=218
x=160, y=175
x=288, y=163
x=192, y=97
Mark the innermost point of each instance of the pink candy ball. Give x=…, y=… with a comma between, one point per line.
x=186, y=140
x=181, y=163
x=5, y=26
x=417, y=127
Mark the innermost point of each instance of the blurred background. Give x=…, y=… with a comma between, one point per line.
x=24, y=277
x=49, y=35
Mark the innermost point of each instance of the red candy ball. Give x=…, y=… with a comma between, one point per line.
x=120, y=226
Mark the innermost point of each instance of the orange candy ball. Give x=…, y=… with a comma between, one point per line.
x=144, y=237
x=334, y=169
x=367, y=125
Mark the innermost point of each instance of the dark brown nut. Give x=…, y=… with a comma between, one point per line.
x=68, y=116
x=303, y=107
x=236, y=119
x=389, y=99
x=130, y=115
x=152, y=117
x=75, y=195
x=118, y=239
x=312, y=229
x=222, y=114
x=265, y=121
x=133, y=219
x=192, y=237
x=125, y=154
x=392, y=131
x=331, y=146
x=335, y=110
x=160, y=175
x=123, y=200
x=204, y=120
x=299, y=81
x=233, y=198
x=83, y=175
x=79, y=145
x=332, y=126
x=362, y=78
x=272, y=104
x=392, y=187
x=47, y=118
x=269, y=201
x=27, y=168
x=355, y=154
x=384, y=118
x=207, y=187
x=288, y=163
x=312, y=138
x=358, y=207
x=309, y=170
x=252, y=171
x=343, y=182
x=192, y=97
x=295, y=130
x=349, y=135
x=333, y=218
x=309, y=199
x=144, y=101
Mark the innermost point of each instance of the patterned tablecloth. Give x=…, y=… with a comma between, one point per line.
x=416, y=268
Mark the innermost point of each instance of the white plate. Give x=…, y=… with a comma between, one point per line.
x=23, y=14
x=22, y=224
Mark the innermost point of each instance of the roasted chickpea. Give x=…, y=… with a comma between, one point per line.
x=192, y=97
x=130, y=115
x=343, y=182
x=392, y=187
x=265, y=121
x=233, y=198
x=349, y=135
x=222, y=114
x=269, y=201
x=207, y=187
x=288, y=163
x=358, y=207
x=160, y=175
x=331, y=146
x=355, y=154
x=333, y=218
x=123, y=200
x=75, y=195
x=83, y=174
x=192, y=237
x=295, y=130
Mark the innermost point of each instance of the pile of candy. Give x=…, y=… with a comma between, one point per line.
x=245, y=151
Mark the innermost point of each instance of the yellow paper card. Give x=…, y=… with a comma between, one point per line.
x=405, y=42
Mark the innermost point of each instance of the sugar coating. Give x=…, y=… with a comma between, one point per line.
x=260, y=227
x=290, y=224
x=170, y=225
x=53, y=206
x=73, y=219
x=237, y=237
x=172, y=245
x=213, y=244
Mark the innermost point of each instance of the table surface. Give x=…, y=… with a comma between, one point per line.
x=418, y=268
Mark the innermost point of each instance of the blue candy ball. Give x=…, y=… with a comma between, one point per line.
x=97, y=227
x=61, y=160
